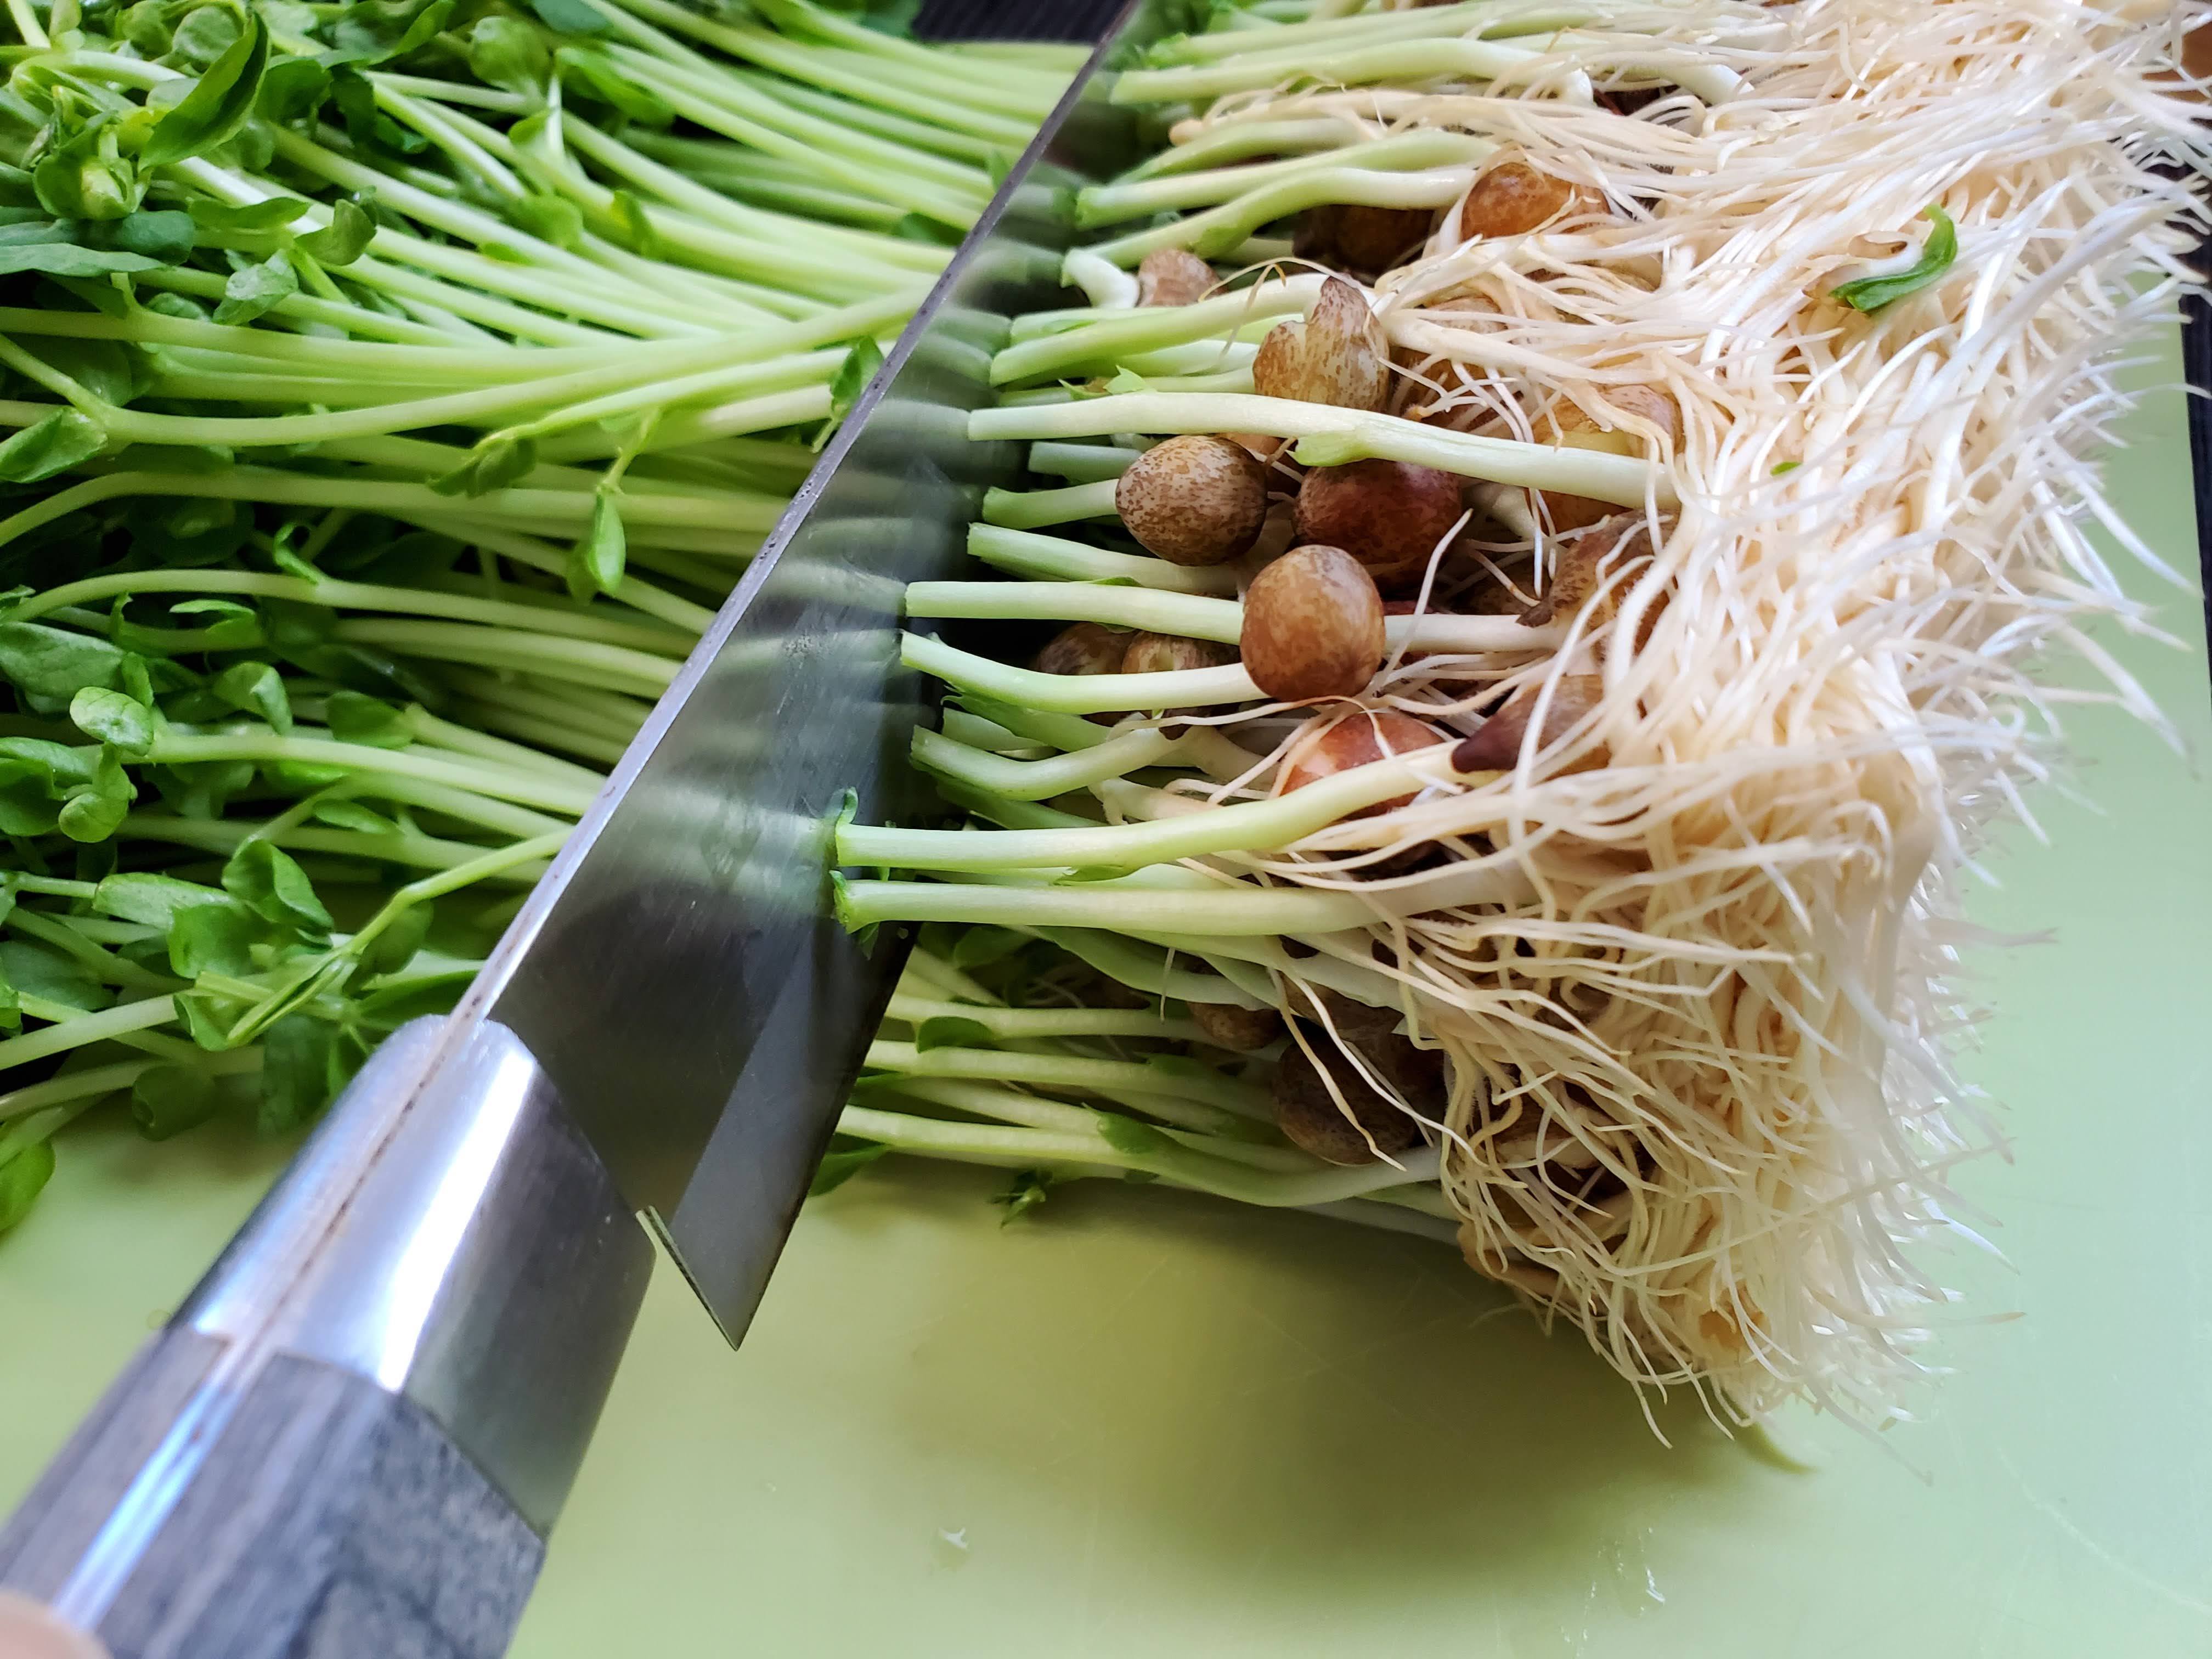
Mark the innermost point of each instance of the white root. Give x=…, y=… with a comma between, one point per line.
x=1730, y=1001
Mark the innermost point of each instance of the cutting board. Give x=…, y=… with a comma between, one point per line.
x=1140, y=1422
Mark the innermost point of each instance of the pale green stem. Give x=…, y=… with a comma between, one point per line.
x=1331, y=436
x=1244, y=826
x=1054, y=558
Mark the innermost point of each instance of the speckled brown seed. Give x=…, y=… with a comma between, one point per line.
x=1194, y=500
x=1173, y=276
x=1389, y=515
x=1313, y=626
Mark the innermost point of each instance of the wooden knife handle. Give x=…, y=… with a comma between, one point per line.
x=353, y=1437
x=310, y=1515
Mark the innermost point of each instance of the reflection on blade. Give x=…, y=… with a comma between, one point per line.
x=678, y=976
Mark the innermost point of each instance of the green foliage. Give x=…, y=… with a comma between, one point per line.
x=846, y=1159
x=214, y=110
x=269, y=882
x=167, y=1100
x=22, y=1178
x=948, y=1032
x=1936, y=256
x=255, y=289
x=1030, y=1188
x=595, y=564
x=62, y=439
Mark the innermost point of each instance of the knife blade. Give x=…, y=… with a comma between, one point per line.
x=355, y=1436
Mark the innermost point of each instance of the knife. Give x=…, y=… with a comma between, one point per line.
x=353, y=1437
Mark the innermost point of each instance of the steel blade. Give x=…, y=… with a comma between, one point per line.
x=678, y=973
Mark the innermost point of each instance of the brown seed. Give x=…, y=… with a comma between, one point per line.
x=1311, y=1118
x=1512, y=198
x=1497, y=746
x=1329, y=746
x=1581, y=559
x=1195, y=500
x=1168, y=654
x=1082, y=648
x=1228, y=1026
x=1389, y=515
x=1568, y=426
x=1336, y=355
x=1359, y=1024
x=1313, y=626
x=1568, y=423
x=1173, y=276
x=1369, y=239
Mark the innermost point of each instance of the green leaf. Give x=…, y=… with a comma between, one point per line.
x=292, y=91
x=395, y=947
x=595, y=564
x=208, y=1018
x=1130, y=1138
x=251, y=292
x=491, y=465
x=981, y=946
x=235, y=628
x=593, y=75
x=839, y=1166
x=36, y=971
x=152, y=900
x=64, y=440
x=352, y=815
x=862, y=360
x=369, y=127
x=1782, y=467
x=553, y=219
x=11, y=1005
x=204, y=35
x=344, y=240
x=571, y=16
x=1029, y=1189
x=255, y=688
x=1871, y=293
x=948, y=1032
x=99, y=292
x=22, y=1178
x=169, y=1100
x=215, y=938
x=86, y=176
x=96, y=810
x=918, y=227
x=356, y=718
x=376, y=31
x=268, y=881
x=49, y=665
x=67, y=258
x=304, y=1063
x=162, y=234
x=273, y=214
x=505, y=52
x=633, y=228
x=108, y=369
x=213, y=110
x=113, y=717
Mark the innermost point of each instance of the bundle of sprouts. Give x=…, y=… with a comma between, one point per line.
x=391, y=393
x=1568, y=506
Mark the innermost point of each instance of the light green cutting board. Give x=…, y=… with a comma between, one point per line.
x=1143, y=1424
